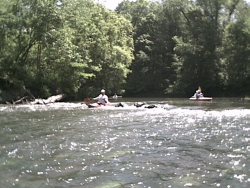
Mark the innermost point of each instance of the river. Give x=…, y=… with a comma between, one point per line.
x=180, y=143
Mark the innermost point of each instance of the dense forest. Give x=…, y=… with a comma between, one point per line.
x=143, y=48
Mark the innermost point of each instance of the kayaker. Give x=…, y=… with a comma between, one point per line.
x=115, y=96
x=198, y=94
x=102, y=98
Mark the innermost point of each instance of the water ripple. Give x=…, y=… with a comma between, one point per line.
x=161, y=147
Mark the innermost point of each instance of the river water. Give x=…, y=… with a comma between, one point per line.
x=180, y=143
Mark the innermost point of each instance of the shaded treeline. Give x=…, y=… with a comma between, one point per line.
x=163, y=48
x=183, y=44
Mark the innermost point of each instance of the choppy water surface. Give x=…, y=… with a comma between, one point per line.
x=178, y=144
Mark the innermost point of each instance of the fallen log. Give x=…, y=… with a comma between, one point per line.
x=20, y=100
x=51, y=99
x=17, y=101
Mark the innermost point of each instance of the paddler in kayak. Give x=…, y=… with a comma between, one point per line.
x=198, y=94
x=102, y=98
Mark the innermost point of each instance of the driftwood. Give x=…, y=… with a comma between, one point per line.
x=20, y=100
x=23, y=100
x=51, y=99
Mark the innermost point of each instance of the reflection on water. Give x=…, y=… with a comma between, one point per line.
x=178, y=144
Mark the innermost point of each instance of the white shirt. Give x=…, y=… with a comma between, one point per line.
x=102, y=99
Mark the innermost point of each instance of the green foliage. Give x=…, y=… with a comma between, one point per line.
x=78, y=47
x=237, y=53
x=49, y=47
x=198, y=48
x=155, y=25
x=179, y=46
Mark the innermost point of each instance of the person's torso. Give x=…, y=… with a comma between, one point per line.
x=102, y=99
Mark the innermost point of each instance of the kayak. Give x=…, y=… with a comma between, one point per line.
x=96, y=105
x=200, y=96
x=201, y=99
x=115, y=97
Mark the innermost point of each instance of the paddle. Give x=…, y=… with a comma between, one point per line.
x=86, y=101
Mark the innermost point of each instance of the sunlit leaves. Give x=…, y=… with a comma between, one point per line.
x=70, y=42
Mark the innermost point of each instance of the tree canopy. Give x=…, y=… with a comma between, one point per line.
x=156, y=48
